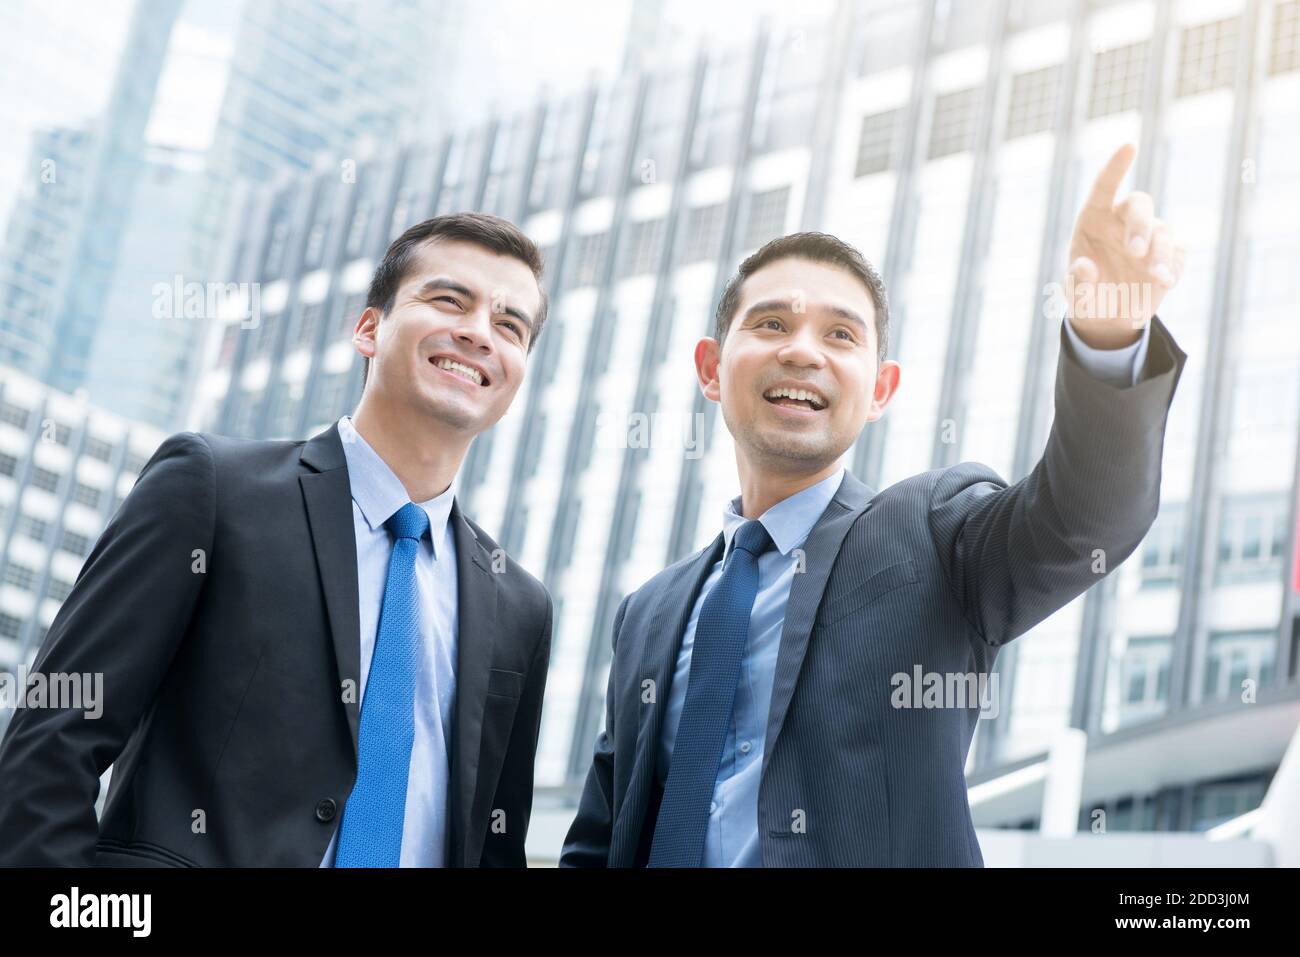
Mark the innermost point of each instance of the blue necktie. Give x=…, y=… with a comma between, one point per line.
x=370, y=834
x=720, y=637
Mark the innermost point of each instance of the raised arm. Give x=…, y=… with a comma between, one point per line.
x=1013, y=554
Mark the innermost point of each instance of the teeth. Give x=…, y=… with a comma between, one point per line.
x=451, y=365
x=785, y=392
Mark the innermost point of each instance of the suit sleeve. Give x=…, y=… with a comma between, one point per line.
x=1013, y=554
x=587, y=843
x=124, y=619
x=514, y=793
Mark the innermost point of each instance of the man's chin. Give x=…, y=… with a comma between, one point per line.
x=799, y=452
x=455, y=415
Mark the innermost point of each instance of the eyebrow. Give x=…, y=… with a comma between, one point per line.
x=786, y=305
x=451, y=285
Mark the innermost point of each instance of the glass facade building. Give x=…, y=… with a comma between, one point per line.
x=65, y=466
x=953, y=143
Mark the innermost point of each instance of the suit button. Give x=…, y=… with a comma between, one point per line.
x=325, y=810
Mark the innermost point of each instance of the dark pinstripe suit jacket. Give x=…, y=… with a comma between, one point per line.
x=937, y=571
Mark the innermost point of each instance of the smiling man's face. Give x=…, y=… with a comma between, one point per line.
x=454, y=345
x=797, y=374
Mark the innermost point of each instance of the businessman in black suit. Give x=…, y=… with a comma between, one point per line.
x=310, y=657
x=753, y=713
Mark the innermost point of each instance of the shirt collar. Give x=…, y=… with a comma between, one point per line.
x=790, y=520
x=378, y=491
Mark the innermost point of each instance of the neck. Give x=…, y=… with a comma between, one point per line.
x=423, y=453
x=761, y=488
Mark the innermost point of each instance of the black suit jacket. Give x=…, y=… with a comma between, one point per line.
x=224, y=716
x=936, y=572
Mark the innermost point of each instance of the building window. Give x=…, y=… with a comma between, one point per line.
x=1235, y=657
x=10, y=627
x=1117, y=80
x=329, y=397
x=1252, y=533
x=642, y=246
x=308, y=321
x=1033, y=101
x=86, y=495
x=590, y=258
x=58, y=589
x=285, y=404
x=276, y=245
x=33, y=528
x=134, y=463
x=14, y=415
x=315, y=250
x=98, y=449
x=1144, y=677
x=353, y=306
x=75, y=544
x=44, y=479
x=356, y=241
x=1162, y=549
x=703, y=239
x=952, y=129
x=20, y=576
x=766, y=216
x=62, y=433
x=877, y=142
x=8, y=464
x=1207, y=58
x=1285, y=52
x=264, y=336
x=1216, y=802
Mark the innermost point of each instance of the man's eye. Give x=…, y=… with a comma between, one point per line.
x=767, y=321
x=511, y=326
x=847, y=335
x=450, y=299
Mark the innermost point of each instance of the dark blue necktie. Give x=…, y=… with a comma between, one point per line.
x=370, y=834
x=720, y=637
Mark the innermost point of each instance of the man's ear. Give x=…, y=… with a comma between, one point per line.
x=886, y=385
x=708, y=355
x=367, y=328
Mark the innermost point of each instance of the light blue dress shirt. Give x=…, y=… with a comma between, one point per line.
x=377, y=493
x=732, y=839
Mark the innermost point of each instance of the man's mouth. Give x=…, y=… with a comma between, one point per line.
x=792, y=398
x=461, y=370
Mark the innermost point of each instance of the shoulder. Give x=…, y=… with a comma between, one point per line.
x=938, y=485
x=227, y=449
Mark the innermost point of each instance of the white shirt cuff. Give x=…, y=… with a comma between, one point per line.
x=1118, y=367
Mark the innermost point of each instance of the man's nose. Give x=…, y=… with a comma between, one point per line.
x=474, y=328
x=803, y=349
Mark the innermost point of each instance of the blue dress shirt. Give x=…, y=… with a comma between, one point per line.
x=732, y=839
x=377, y=493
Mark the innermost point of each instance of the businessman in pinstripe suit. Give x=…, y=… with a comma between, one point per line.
x=754, y=714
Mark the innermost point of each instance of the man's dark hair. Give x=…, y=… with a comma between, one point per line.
x=815, y=247
x=483, y=229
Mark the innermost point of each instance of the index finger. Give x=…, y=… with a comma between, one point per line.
x=1112, y=174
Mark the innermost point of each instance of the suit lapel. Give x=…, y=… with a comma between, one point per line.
x=820, y=551
x=477, y=628
x=659, y=659
x=328, y=497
